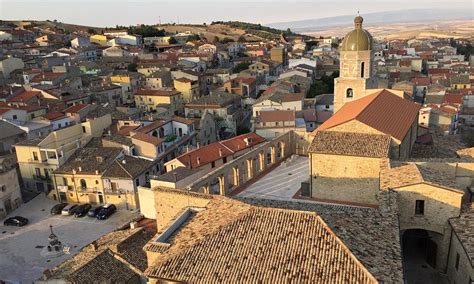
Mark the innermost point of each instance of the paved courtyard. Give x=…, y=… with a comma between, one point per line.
x=281, y=183
x=20, y=248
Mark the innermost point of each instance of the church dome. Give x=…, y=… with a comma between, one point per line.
x=358, y=39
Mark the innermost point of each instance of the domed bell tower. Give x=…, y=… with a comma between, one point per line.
x=355, y=72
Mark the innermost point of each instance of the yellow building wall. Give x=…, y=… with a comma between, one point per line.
x=99, y=39
x=345, y=178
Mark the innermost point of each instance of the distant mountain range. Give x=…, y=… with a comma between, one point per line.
x=379, y=18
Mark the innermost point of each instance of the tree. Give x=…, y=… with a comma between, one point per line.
x=172, y=40
x=216, y=39
x=91, y=31
x=227, y=40
x=193, y=38
x=241, y=39
x=132, y=67
x=288, y=31
x=241, y=67
x=242, y=130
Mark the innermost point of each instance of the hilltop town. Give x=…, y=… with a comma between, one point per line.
x=234, y=152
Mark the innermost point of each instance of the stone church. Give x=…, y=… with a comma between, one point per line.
x=364, y=151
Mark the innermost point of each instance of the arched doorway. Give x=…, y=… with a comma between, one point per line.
x=419, y=246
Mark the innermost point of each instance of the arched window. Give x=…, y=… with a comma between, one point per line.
x=162, y=132
x=349, y=93
x=362, y=69
x=155, y=133
x=83, y=183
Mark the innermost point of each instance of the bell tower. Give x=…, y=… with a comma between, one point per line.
x=355, y=71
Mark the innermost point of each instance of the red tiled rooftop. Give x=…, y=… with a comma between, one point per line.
x=24, y=97
x=383, y=111
x=53, y=115
x=75, y=108
x=162, y=93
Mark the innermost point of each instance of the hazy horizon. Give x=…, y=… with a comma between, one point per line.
x=110, y=13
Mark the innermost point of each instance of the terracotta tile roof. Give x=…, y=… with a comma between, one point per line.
x=350, y=144
x=383, y=111
x=238, y=143
x=46, y=76
x=75, y=108
x=182, y=120
x=215, y=151
x=423, y=81
x=118, y=257
x=160, y=93
x=250, y=249
x=147, y=138
x=125, y=130
x=277, y=115
x=184, y=80
x=24, y=97
x=292, y=97
x=152, y=126
x=128, y=167
x=54, y=115
x=400, y=175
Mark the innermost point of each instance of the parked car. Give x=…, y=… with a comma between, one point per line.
x=69, y=210
x=106, y=211
x=16, y=221
x=93, y=211
x=56, y=210
x=82, y=210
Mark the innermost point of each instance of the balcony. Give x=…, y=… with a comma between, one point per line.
x=41, y=177
x=38, y=161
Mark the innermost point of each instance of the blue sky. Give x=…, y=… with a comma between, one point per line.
x=110, y=12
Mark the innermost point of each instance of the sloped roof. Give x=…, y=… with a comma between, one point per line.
x=24, y=97
x=75, y=108
x=52, y=116
x=400, y=175
x=383, y=111
x=218, y=150
x=350, y=144
x=128, y=167
x=147, y=138
x=264, y=244
x=9, y=130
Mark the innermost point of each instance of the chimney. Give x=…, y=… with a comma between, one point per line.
x=198, y=161
x=79, y=169
x=220, y=152
x=133, y=225
x=124, y=161
x=95, y=246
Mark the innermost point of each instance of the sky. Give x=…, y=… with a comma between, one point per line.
x=102, y=13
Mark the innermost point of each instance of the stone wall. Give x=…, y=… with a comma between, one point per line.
x=440, y=205
x=465, y=272
x=345, y=178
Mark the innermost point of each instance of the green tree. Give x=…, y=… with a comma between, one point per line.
x=227, y=40
x=241, y=67
x=91, y=31
x=241, y=39
x=216, y=39
x=193, y=38
x=172, y=40
x=242, y=130
x=132, y=67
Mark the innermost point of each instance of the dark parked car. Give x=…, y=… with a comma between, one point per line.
x=56, y=210
x=93, y=211
x=82, y=210
x=69, y=210
x=16, y=221
x=106, y=211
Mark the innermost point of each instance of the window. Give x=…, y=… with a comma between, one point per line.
x=327, y=106
x=35, y=156
x=419, y=207
x=83, y=129
x=137, y=182
x=4, y=188
x=213, y=164
x=349, y=93
x=15, y=116
x=224, y=160
x=362, y=69
x=457, y=262
x=37, y=172
x=83, y=183
x=64, y=181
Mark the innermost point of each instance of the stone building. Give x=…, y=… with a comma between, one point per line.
x=345, y=166
x=10, y=194
x=379, y=113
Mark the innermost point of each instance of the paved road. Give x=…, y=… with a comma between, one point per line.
x=20, y=248
x=281, y=183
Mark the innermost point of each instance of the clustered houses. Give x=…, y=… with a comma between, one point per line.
x=158, y=124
